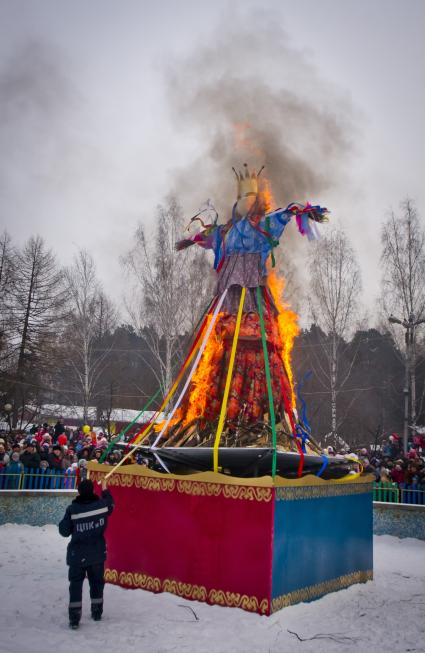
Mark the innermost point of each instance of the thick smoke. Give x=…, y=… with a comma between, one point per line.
x=35, y=103
x=253, y=97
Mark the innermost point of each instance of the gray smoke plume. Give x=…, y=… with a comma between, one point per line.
x=35, y=103
x=252, y=97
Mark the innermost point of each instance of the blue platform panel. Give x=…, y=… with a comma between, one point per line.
x=322, y=540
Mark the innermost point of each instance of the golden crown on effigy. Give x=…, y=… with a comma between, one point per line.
x=247, y=184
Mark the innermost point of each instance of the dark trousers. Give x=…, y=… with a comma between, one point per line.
x=76, y=577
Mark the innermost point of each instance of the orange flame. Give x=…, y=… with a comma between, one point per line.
x=266, y=195
x=201, y=380
x=287, y=323
x=287, y=318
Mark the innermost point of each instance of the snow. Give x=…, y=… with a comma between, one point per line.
x=77, y=412
x=386, y=614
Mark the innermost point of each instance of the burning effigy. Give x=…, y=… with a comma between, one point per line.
x=236, y=411
x=240, y=507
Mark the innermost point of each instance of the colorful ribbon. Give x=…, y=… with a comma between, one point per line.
x=195, y=365
x=305, y=378
x=124, y=431
x=286, y=402
x=268, y=380
x=323, y=467
x=142, y=435
x=228, y=381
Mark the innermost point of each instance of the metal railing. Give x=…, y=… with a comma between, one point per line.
x=57, y=479
x=37, y=479
x=399, y=493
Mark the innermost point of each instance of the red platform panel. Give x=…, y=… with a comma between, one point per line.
x=199, y=539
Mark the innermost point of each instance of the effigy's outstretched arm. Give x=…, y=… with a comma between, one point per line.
x=307, y=216
x=205, y=238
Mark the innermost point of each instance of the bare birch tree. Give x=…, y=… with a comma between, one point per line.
x=403, y=263
x=91, y=316
x=335, y=289
x=170, y=289
x=403, y=289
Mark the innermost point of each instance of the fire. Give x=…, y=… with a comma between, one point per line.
x=287, y=318
x=287, y=324
x=267, y=195
x=201, y=380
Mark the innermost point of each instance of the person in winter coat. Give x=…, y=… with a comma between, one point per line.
x=59, y=429
x=82, y=466
x=86, y=520
x=14, y=470
x=4, y=457
x=397, y=474
x=55, y=459
x=30, y=458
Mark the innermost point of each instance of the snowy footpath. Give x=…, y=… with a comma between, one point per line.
x=387, y=614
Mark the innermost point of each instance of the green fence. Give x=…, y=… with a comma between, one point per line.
x=388, y=492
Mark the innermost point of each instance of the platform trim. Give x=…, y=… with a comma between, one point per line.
x=187, y=591
x=192, y=488
x=314, y=591
x=249, y=493
x=321, y=491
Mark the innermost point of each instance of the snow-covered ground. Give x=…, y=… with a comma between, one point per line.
x=384, y=615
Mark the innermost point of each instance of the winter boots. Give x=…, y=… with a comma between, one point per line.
x=75, y=615
x=96, y=609
x=74, y=618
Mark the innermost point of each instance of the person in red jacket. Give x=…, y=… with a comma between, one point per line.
x=397, y=474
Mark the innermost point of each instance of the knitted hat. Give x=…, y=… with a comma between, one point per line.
x=85, y=489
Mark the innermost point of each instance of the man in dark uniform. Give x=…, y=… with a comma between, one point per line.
x=86, y=520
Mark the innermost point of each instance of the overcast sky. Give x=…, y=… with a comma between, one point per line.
x=106, y=106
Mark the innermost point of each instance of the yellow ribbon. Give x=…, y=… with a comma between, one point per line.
x=228, y=381
x=143, y=435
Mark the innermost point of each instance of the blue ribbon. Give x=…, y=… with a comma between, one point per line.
x=323, y=467
x=301, y=433
x=305, y=378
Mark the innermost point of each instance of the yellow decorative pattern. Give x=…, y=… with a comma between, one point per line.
x=188, y=591
x=111, y=576
x=143, y=581
x=196, y=489
x=321, y=491
x=193, y=488
x=250, y=493
x=314, y=591
x=225, y=479
x=131, y=480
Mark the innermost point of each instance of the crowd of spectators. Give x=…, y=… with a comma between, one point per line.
x=68, y=451
x=390, y=464
x=58, y=448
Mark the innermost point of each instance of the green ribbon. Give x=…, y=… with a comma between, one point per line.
x=268, y=380
x=112, y=443
x=124, y=431
x=272, y=242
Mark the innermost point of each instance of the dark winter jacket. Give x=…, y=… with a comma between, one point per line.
x=31, y=460
x=59, y=429
x=86, y=520
x=54, y=461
